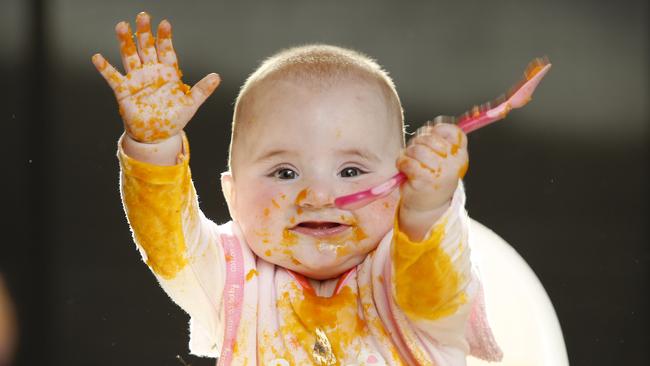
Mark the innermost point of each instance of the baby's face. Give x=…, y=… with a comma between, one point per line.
x=302, y=149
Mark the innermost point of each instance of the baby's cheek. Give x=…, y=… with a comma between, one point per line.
x=384, y=209
x=263, y=204
x=378, y=217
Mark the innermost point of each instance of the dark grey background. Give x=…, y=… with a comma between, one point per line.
x=564, y=180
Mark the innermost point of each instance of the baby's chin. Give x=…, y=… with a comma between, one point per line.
x=323, y=270
x=322, y=265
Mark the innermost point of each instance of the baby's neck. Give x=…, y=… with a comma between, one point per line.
x=324, y=288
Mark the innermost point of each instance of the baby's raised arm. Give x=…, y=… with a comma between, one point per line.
x=155, y=104
x=175, y=239
x=431, y=270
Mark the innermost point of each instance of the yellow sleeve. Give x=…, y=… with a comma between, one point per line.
x=177, y=242
x=157, y=199
x=429, y=277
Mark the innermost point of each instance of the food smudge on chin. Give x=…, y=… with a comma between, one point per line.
x=358, y=234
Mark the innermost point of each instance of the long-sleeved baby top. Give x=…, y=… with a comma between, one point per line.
x=414, y=303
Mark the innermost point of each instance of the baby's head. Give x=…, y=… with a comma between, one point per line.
x=313, y=123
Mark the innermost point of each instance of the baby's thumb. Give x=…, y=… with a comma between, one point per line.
x=202, y=90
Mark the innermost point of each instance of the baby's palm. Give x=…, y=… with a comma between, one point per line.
x=154, y=103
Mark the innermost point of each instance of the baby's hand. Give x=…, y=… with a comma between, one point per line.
x=154, y=103
x=433, y=161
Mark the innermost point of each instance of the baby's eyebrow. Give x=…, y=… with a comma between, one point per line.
x=363, y=153
x=272, y=154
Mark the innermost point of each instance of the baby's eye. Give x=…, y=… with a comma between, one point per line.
x=285, y=174
x=351, y=172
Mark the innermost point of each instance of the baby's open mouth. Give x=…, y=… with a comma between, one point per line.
x=320, y=229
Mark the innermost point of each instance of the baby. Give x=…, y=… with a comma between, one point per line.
x=292, y=279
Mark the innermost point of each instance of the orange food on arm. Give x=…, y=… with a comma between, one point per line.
x=429, y=276
x=157, y=199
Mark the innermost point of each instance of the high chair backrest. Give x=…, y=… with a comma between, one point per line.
x=520, y=312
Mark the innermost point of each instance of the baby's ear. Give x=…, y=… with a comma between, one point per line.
x=228, y=189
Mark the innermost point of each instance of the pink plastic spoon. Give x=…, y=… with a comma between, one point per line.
x=475, y=118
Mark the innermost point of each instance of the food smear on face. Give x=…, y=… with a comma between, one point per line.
x=342, y=251
x=289, y=238
x=359, y=234
x=301, y=196
x=263, y=233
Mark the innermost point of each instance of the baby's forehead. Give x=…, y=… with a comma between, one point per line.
x=316, y=84
x=282, y=96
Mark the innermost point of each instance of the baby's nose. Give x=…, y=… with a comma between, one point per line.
x=316, y=196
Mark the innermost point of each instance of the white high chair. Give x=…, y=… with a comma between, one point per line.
x=520, y=312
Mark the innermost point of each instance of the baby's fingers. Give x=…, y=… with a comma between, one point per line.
x=419, y=177
x=112, y=76
x=436, y=143
x=427, y=157
x=453, y=134
x=166, y=53
x=146, y=40
x=130, y=57
x=202, y=90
